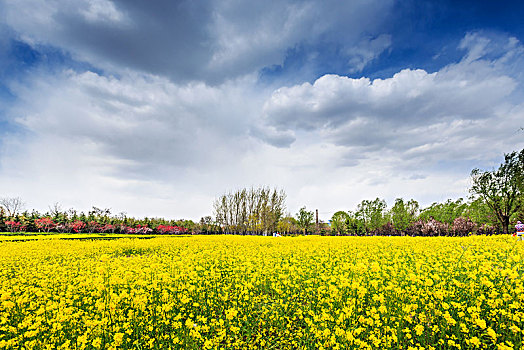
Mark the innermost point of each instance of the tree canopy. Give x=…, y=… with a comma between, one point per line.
x=501, y=189
x=304, y=219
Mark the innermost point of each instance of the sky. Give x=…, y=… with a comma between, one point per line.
x=155, y=108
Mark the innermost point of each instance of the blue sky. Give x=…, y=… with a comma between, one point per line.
x=155, y=108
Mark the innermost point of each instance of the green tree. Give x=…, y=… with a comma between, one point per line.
x=304, y=219
x=501, y=189
x=287, y=224
x=339, y=222
x=445, y=212
x=373, y=213
x=356, y=224
x=403, y=214
x=480, y=213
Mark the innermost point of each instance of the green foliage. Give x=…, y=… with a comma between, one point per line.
x=480, y=213
x=444, y=212
x=373, y=214
x=356, y=224
x=501, y=189
x=205, y=226
x=304, y=219
x=287, y=224
x=403, y=214
x=340, y=222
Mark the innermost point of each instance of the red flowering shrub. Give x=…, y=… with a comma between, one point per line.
x=107, y=228
x=68, y=227
x=167, y=229
x=93, y=226
x=14, y=226
x=44, y=224
x=76, y=226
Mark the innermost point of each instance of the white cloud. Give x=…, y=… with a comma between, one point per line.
x=102, y=11
x=367, y=50
x=126, y=141
x=467, y=110
x=144, y=120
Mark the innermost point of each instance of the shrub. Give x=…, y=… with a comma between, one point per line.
x=415, y=228
x=386, y=230
x=107, y=228
x=463, y=227
x=435, y=228
x=486, y=229
x=139, y=229
x=93, y=226
x=76, y=226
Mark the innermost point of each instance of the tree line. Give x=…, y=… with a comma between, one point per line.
x=496, y=203
x=14, y=218
x=451, y=218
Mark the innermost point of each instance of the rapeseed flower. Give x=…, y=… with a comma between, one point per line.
x=257, y=292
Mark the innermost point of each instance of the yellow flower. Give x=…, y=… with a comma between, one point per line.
x=231, y=313
x=492, y=334
x=450, y=320
x=481, y=323
x=96, y=342
x=243, y=292
x=118, y=337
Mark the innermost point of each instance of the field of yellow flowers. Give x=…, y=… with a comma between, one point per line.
x=244, y=292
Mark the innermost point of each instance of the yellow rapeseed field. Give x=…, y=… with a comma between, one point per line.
x=235, y=292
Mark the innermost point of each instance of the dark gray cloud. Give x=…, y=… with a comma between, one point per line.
x=168, y=38
x=187, y=40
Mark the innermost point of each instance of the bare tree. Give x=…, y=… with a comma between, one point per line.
x=12, y=205
x=254, y=210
